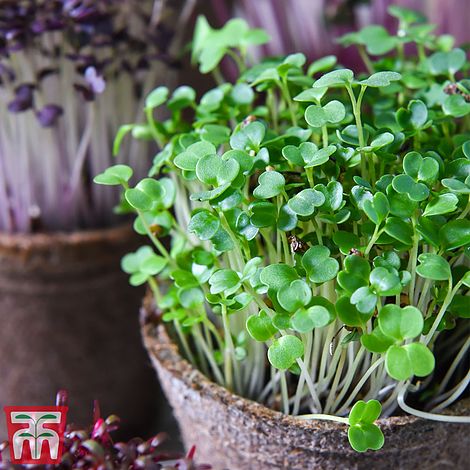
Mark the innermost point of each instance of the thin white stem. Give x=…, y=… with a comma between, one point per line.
x=310, y=384
x=325, y=417
x=426, y=415
x=453, y=366
x=360, y=384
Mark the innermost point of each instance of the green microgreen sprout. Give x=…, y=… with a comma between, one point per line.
x=319, y=220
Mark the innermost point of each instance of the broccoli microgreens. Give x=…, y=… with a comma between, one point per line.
x=321, y=215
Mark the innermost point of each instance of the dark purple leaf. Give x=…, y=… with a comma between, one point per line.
x=25, y=91
x=82, y=11
x=8, y=71
x=86, y=92
x=43, y=73
x=42, y=25
x=143, y=64
x=23, y=98
x=18, y=105
x=48, y=115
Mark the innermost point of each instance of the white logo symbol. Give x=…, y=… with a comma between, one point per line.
x=35, y=435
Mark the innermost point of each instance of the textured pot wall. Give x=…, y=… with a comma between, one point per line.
x=69, y=319
x=237, y=434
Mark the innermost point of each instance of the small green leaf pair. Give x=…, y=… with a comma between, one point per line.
x=382, y=283
x=316, y=316
x=114, y=175
x=333, y=193
x=226, y=281
x=210, y=45
x=260, y=326
x=188, y=159
x=206, y=226
x=363, y=434
x=319, y=116
x=355, y=273
x=418, y=170
x=285, y=351
x=374, y=38
x=395, y=325
x=306, y=201
x=433, y=267
x=444, y=63
x=345, y=77
x=214, y=171
x=307, y=154
x=248, y=137
x=403, y=362
x=377, y=208
x=142, y=265
x=270, y=184
x=147, y=194
x=318, y=264
x=415, y=117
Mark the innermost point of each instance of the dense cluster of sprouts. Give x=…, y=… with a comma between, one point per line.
x=72, y=71
x=318, y=218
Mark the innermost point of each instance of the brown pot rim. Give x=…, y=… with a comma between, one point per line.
x=164, y=351
x=39, y=241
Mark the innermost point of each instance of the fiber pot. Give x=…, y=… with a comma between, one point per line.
x=234, y=433
x=68, y=321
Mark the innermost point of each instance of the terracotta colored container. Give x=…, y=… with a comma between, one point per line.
x=68, y=319
x=234, y=433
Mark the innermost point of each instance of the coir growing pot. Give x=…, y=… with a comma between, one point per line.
x=68, y=321
x=234, y=433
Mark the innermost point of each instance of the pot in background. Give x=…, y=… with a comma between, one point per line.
x=234, y=433
x=68, y=321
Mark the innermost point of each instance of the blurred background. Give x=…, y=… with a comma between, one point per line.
x=71, y=73
x=312, y=26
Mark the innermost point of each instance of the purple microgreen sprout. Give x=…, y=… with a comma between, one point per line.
x=94, y=447
x=70, y=73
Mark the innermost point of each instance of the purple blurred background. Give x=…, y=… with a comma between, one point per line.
x=311, y=26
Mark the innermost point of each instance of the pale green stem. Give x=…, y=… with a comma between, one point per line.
x=465, y=211
x=356, y=105
x=155, y=240
x=361, y=383
x=314, y=416
x=309, y=173
x=284, y=393
x=230, y=358
x=365, y=58
x=153, y=127
x=238, y=60
x=310, y=384
x=442, y=311
x=290, y=105
x=210, y=358
x=424, y=294
x=372, y=240
x=324, y=131
x=413, y=262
